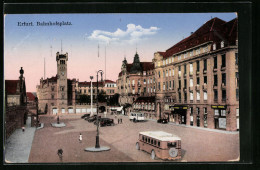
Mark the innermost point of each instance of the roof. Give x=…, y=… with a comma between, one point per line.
x=215, y=30
x=161, y=135
x=145, y=99
x=109, y=81
x=11, y=86
x=30, y=96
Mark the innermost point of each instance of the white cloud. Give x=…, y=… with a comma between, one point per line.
x=131, y=35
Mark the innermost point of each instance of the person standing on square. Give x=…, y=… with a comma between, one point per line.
x=80, y=137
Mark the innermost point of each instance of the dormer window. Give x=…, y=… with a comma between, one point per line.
x=163, y=62
x=191, y=53
x=197, y=51
x=172, y=59
x=214, y=46
x=179, y=57
x=166, y=61
x=222, y=44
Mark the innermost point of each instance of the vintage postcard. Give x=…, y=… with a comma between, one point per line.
x=114, y=87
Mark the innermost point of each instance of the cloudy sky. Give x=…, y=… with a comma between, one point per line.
x=116, y=35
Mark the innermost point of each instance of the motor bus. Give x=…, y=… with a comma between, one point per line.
x=160, y=144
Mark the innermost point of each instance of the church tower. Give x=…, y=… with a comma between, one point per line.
x=62, y=83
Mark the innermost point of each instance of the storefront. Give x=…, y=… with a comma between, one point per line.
x=179, y=113
x=220, y=116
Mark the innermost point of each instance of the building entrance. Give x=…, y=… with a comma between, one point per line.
x=181, y=111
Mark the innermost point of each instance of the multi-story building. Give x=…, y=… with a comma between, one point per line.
x=196, y=80
x=134, y=81
x=199, y=77
x=109, y=87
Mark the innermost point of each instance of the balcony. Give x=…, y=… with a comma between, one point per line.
x=223, y=85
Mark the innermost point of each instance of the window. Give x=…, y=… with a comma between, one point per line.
x=148, y=81
x=214, y=46
x=185, y=96
x=159, y=86
x=191, y=116
x=170, y=72
x=163, y=62
x=198, y=65
x=237, y=94
x=205, y=64
x=166, y=61
x=224, y=79
x=179, y=71
x=145, y=89
x=191, y=82
x=237, y=79
x=52, y=88
x=236, y=58
x=166, y=73
x=191, y=95
x=222, y=44
x=155, y=142
x=179, y=83
x=133, y=82
x=222, y=112
x=85, y=91
x=166, y=85
x=197, y=51
x=62, y=96
x=198, y=81
x=52, y=96
x=185, y=83
x=223, y=60
x=185, y=70
x=144, y=81
x=171, y=144
x=205, y=79
x=159, y=74
x=191, y=53
x=215, y=62
x=205, y=95
x=185, y=55
x=216, y=80
x=237, y=111
x=216, y=112
x=163, y=73
x=159, y=143
x=139, y=90
x=179, y=57
x=191, y=68
x=172, y=84
x=133, y=91
x=224, y=95
x=205, y=117
x=179, y=96
x=215, y=95
x=198, y=95
x=163, y=85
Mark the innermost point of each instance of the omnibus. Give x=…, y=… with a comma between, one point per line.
x=160, y=144
x=136, y=117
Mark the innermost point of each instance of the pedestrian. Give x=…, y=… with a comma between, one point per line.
x=118, y=121
x=60, y=152
x=80, y=137
x=121, y=120
x=23, y=128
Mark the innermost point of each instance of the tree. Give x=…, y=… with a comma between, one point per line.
x=84, y=99
x=102, y=96
x=113, y=101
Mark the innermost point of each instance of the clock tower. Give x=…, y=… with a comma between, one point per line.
x=62, y=83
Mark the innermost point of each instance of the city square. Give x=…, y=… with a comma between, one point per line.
x=198, y=145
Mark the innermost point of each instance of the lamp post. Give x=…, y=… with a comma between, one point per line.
x=97, y=137
x=91, y=97
x=37, y=112
x=97, y=147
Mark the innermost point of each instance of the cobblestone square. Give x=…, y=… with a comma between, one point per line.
x=198, y=145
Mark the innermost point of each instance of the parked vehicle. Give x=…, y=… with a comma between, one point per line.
x=160, y=144
x=136, y=117
x=162, y=120
x=105, y=122
x=85, y=115
x=93, y=118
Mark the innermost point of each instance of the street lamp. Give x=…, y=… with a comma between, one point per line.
x=91, y=98
x=97, y=147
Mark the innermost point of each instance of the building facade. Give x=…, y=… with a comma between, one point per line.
x=196, y=80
